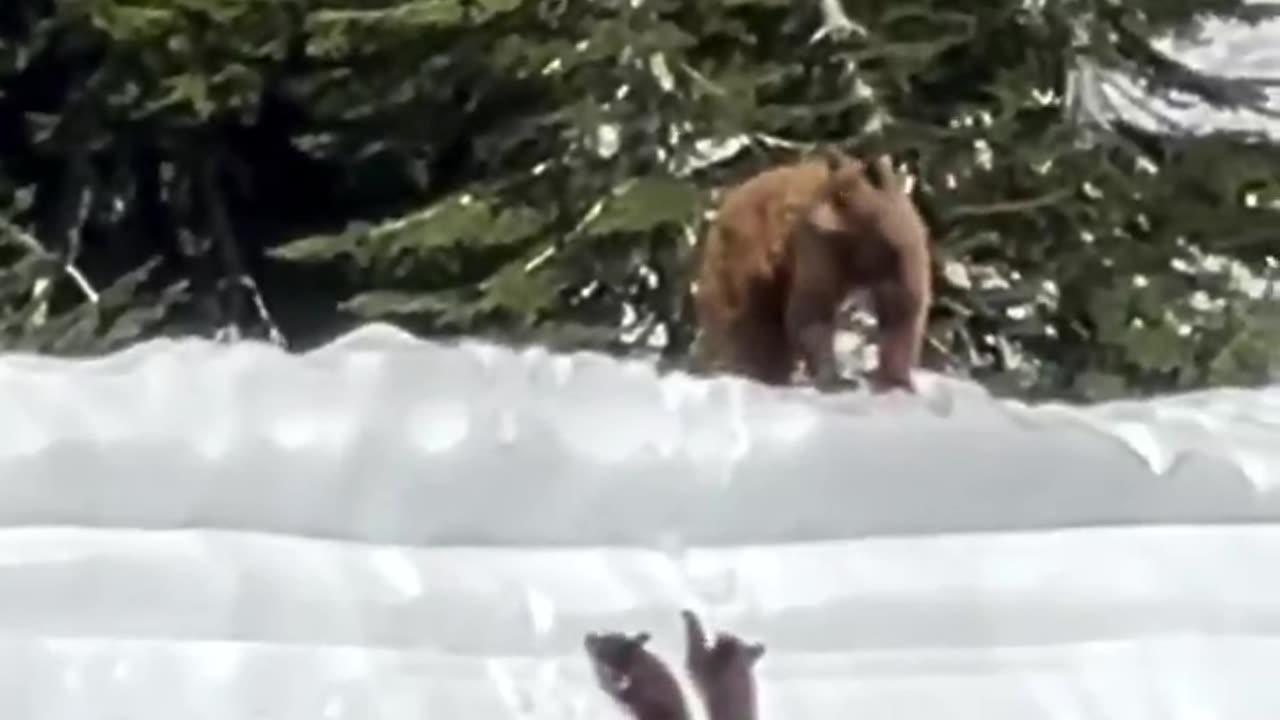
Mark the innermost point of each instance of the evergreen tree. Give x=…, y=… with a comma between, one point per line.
x=541, y=169
x=1071, y=261
x=50, y=299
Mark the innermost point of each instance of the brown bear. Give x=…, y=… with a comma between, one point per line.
x=788, y=246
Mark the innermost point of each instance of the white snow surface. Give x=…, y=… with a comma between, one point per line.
x=391, y=528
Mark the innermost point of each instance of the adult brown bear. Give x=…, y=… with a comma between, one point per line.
x=788, y=246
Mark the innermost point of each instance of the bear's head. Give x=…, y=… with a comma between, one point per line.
x=857, y=195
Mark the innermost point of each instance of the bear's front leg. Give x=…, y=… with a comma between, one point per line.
x=811, y=331
x=901, y=315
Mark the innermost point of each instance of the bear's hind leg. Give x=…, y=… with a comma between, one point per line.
x=759, y=347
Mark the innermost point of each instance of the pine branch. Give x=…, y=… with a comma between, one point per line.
x=29, y=241
x=1009, y=206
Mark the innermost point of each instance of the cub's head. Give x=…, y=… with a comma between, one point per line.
x=614, y=656
x=634, y=676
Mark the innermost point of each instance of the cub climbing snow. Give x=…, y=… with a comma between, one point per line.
x=723, y=671
x=634, y=676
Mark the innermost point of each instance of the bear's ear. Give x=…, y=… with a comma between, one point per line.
x=834, y=158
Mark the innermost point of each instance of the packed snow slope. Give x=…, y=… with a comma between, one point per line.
x=395, y=529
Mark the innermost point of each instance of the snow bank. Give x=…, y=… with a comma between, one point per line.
x=387, y=528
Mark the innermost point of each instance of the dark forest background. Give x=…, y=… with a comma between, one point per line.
x=536, y=171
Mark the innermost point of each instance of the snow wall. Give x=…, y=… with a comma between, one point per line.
x=393, y=529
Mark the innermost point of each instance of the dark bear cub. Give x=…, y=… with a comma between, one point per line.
x=634, y=677
x=723, y=671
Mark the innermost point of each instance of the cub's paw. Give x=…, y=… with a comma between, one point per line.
x=722, y=670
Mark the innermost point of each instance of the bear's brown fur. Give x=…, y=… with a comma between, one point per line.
x=788, y=246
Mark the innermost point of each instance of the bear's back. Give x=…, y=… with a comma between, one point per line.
x=755, y=217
